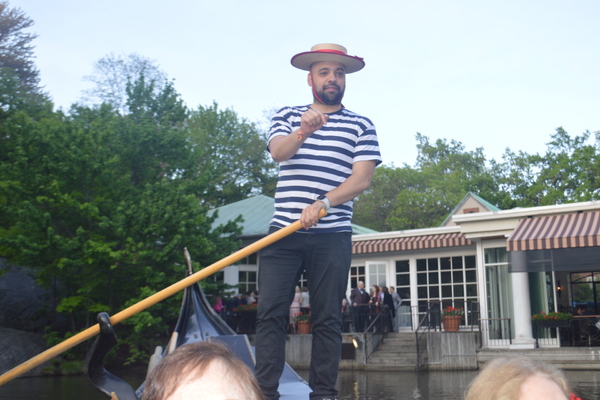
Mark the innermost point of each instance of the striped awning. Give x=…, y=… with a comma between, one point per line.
x=410, y=243
x=556, y=232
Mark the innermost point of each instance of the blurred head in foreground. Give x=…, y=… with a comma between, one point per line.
x=201, y=370
x=518, y=378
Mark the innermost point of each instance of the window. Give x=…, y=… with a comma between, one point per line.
x=451, y=281
x=247, y=281
x=357, y=273
x=252, y=259
x=377, y=274
x=403, y=278
x=499, y=294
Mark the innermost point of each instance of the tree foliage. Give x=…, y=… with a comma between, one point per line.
x=104, y=203
x=112, y=75
x=231, y=154
x=423, y=196
x=16, y=49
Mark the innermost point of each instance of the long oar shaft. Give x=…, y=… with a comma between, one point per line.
x=150, y=301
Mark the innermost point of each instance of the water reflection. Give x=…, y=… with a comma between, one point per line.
x=353, y=385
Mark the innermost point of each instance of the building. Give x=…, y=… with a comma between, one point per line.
x=501, y=266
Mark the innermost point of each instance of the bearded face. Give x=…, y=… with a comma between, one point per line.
x=328, y=82
x=331, y=94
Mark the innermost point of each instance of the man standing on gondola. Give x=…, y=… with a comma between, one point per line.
x=327, y=156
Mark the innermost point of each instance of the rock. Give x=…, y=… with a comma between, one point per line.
x=18, y=347
x=23, y=303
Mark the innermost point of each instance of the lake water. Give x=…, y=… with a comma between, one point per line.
x=353, y=385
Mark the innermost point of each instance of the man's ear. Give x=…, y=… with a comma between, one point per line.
x=309, y=79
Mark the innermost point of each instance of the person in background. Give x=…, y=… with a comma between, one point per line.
x=201, y=370
x=359, y=299
x=397, y=303
x=375, y=302
x=519, y=378
x=327, y=156
x=218, y=305
x=389, y=308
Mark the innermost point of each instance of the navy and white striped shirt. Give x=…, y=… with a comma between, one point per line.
x=321, y=164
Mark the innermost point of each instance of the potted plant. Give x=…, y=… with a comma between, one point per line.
x=245, y=317
x=303, y=322
x=451, y=318
x=552, y=319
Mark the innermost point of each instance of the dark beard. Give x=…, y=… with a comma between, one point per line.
x=331, y=99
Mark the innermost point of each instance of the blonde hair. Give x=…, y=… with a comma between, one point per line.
x=501, y=378
x=190, y=361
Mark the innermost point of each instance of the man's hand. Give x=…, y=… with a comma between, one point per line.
x=312, y=120
x=310, y=215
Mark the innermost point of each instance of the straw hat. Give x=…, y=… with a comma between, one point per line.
x=328, y=52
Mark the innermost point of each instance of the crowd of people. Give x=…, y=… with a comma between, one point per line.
x=365, y=308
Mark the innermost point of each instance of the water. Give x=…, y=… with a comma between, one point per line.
x=353, y=385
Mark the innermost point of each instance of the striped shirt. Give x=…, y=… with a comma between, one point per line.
x=321, y=164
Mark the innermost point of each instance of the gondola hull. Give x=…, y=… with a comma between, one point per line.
x=197, y=322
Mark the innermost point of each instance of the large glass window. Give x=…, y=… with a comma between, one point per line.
x=585, y=287
x=499, y=293
x=451, y=281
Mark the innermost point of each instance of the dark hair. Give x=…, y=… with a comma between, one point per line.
x=190, y=362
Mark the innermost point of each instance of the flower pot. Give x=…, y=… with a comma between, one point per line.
x=451, y=322
x=304, y=327
x=553, y=323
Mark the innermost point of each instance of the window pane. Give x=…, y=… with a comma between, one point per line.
x=447, y=291
x=403, y=280
x=421, y=265
x=470, y=262
x=402, y=266
x=457, y=276
x=471, y=276
x=446, y=277
x=459, y=291
x=434, y=292
x=471, y=290
x=445, y=263
x=422, y=279
x=433, y=278
x=432, y=264
x=457, y=262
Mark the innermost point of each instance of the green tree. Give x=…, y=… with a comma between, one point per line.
x=230, y=153
x=423, y=196
x=16, y=50
x=104, y=204
x=569, y=171
x=112, y=75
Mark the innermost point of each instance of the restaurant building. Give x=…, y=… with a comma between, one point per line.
x=500, y=266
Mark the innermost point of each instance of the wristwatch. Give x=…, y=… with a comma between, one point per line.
x=322, y=198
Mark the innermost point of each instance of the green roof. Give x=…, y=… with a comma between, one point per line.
x=257, y=213
x=486, y=204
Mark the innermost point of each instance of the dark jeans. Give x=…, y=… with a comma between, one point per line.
x=326, y=260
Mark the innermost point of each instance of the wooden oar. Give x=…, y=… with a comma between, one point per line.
x=150, y=301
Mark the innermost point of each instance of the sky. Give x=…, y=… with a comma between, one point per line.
x=488, y=74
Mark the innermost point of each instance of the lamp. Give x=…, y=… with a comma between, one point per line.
x=558, y=288
x=356, y=342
